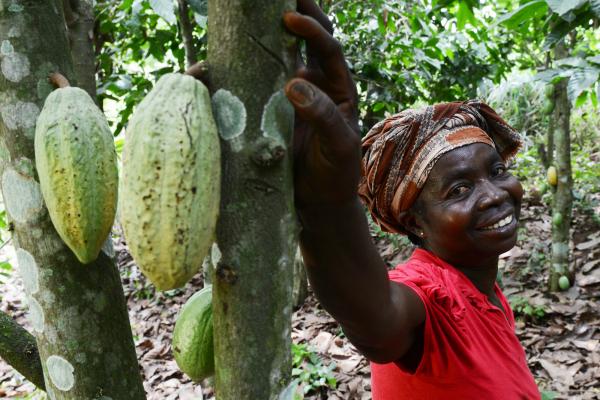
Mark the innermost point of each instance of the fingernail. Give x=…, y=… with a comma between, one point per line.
x=302, y=94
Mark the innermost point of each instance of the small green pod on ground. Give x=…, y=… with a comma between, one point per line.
x=563, y=283
x=171, y=181
x=77, y=167
x=193, y=345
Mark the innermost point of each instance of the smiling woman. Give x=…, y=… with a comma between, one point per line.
x=437, y=327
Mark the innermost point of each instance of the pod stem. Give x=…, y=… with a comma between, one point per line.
x=58, y=80
x=198, y=71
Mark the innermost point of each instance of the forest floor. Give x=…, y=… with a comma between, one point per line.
x=560, y=332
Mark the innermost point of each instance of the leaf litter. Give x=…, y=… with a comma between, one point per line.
x=562, y=339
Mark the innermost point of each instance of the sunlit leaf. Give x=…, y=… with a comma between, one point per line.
x=164, y=8
x=562, y=7
x=595, y=6
x=581, y=79
x=575, y=62
x=199, y=6
x=595, y=59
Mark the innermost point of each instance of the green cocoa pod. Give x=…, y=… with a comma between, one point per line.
x=549, y=91
x=563, y=283
x=77, y=166
x=548, y=107
x=170, y=186
x=192, y=344
x=557, y=219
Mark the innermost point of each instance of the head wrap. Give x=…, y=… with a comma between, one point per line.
x=400, y=151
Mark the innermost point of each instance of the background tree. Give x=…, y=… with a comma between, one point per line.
x=574, y=80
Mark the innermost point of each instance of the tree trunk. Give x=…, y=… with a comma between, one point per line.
x=250, y=58
x=563, y=199
x=78, y=312
x=79, y=16
x=550, y=137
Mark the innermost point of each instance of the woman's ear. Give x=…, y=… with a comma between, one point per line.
x=410, y=221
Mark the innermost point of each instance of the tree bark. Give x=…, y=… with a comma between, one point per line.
x=78, y=312
x=79, y=17
x=563, y=199
x=187, y=33
x=250, y=58
x=19, y=350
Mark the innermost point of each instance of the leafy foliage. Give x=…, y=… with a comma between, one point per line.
x=524, y=309
x=567, y=17
x=407, y=52
x=138, y=41
x=309, y=369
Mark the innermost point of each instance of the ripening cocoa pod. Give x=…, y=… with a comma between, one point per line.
x=171, y=182
x=77, y=165
x=552, y=176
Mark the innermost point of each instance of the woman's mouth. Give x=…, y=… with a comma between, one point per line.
x=500, y=224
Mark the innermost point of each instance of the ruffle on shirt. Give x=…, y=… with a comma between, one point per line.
x=442, y=285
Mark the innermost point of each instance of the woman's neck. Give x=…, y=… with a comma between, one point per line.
x=482, y=273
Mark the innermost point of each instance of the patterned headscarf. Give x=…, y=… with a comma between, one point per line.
x=400, y=151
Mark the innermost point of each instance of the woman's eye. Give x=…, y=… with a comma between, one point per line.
x=459, y=190
x=499, y=170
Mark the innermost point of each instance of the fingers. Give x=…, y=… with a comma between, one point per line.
x=313, y=32
x=309, y=7
x=318, y=110
x=323, y=50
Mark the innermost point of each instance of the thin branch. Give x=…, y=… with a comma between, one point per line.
x=187, y=30
x=19, y=349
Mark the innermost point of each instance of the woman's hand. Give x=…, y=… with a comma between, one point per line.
x=326, y=139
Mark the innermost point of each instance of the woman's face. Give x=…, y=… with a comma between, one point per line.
x=469, y=206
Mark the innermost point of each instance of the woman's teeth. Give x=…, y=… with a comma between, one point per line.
x=500, y=224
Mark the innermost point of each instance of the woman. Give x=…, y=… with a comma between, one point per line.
x=437, y=327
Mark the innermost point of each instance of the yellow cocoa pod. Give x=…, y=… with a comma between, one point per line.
x=171, y=185
x=552, y=176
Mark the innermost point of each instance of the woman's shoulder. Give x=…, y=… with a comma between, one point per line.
x=433, y=280
x=421, y=266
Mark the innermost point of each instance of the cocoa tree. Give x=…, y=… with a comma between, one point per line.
x=250, y=58
x=562, y=200
x=77, y=312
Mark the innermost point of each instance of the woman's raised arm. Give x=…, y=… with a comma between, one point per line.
x=343, y=265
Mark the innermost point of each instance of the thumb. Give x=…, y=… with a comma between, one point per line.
x=316, y=108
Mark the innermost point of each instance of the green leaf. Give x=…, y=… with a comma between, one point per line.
x=562, y=7
x=581, y=79
x=464, y=15
x=548, y=395
x=164, y=8
x=525, y=13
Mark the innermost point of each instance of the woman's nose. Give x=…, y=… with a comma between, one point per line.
x=491, y=195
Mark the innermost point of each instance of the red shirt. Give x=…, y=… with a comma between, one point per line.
x=470, y=349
